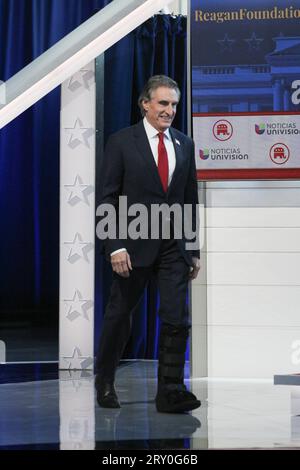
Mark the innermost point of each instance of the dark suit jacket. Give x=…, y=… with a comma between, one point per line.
x=130, y=169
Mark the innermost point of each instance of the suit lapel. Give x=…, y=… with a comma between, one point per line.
x=145, y=152
x=179, y=157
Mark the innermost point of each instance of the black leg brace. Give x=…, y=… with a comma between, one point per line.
x=172, y=348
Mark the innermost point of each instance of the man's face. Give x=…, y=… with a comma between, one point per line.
x=161, y=108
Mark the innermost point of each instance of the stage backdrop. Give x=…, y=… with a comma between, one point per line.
x=29, y=182
x=246, y=88
x=29, y=169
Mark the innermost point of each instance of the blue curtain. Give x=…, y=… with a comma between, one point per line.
x=29, y=163
x=29, y=154
x=156, y=47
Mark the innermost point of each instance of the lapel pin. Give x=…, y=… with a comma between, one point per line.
x=177, y=142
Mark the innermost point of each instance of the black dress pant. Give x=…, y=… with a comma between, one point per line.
x=172, y=273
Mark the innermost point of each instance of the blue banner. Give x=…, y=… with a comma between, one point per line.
x=246, y=88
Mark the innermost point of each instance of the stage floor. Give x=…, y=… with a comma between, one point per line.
x=43, y=409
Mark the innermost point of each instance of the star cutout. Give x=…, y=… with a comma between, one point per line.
x=254, y=42
x=77, y=360
x=79, y=192
x=80, y=135
x=81, y=79
x=79, y=249
x=71, y=375
x=77, y=306
x=226, y=43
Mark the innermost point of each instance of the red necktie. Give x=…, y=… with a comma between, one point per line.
x=163, y=164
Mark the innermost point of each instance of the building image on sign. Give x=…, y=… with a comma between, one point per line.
x=249, y=88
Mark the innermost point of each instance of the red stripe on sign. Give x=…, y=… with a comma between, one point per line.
x=257, y=113
x=264, y=174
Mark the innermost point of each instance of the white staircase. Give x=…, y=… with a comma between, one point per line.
x=72, y=53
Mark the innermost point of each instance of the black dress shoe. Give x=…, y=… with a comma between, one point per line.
x=106, y=395
x=175, y=398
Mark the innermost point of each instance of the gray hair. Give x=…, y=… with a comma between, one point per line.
x=153, y=83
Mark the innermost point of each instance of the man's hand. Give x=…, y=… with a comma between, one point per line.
x=195, y=268
x=121, y=263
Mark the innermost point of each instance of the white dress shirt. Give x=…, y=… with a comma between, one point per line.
x=153, y=139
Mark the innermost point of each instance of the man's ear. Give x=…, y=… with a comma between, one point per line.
x=146, y=109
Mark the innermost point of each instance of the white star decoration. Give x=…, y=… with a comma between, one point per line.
x=79, y=249
x=80, y=135
x=77, y=360
x=81, y=79
x=77, y=306
x=79, y=192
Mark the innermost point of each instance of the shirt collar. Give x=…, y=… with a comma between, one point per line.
x=152, y=132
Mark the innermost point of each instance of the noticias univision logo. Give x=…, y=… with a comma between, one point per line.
x=260, y=128
x=204, y=154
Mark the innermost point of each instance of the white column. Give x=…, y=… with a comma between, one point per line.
x=2, y=352
x=77, y=220
x=76, y=410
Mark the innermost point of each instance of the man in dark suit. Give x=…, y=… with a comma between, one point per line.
x=151, y=164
